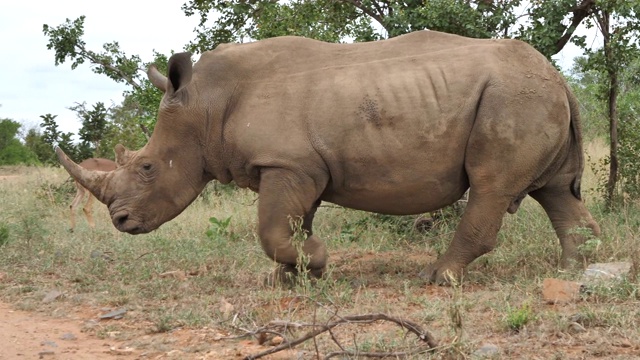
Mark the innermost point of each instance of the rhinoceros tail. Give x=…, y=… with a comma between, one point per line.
x=576, y=148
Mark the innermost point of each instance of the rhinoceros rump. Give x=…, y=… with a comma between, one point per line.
x=399, y=126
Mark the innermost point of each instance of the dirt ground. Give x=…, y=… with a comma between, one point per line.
x=25, y=335
x=30, y=335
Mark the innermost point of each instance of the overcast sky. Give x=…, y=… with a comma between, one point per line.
x=34, y=86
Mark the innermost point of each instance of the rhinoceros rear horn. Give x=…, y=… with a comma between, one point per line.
x=93, y=180
x=157, y=79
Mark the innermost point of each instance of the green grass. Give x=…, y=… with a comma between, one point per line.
x=205, y=270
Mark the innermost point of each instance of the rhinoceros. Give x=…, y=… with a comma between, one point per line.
x=398, y=126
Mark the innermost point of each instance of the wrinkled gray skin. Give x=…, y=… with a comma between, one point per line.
x=400, y=126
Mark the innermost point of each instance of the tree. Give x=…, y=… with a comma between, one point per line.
x=12, y=151
x=34, y=140
x=53, y=137
x=550, y=25
x=94, y=126
x=618, y=23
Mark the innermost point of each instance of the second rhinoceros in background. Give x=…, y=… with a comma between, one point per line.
x=399, y=126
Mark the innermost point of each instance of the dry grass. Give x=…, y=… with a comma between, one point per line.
x=178, y=277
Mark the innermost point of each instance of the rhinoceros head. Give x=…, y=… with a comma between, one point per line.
x=156, y=183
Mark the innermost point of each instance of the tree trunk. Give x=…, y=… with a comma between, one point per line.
x=613, y=112
x=613, y=134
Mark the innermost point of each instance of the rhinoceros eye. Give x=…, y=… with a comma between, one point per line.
x=146, y=167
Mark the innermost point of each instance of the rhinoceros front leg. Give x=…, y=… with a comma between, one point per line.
x=476, y=235
x=286, y=208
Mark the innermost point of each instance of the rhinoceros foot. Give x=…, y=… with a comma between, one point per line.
x=442, y=273
x=287, y=275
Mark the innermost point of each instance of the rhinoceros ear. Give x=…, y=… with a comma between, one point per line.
x=122, y=155
x=180, y=71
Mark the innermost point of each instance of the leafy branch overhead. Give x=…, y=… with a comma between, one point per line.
x=142, y=99
x=66, y=41
x=547, y=25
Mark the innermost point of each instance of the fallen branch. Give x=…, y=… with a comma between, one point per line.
x=349, y=319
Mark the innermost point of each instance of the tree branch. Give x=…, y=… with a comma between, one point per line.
x=379, y=17
x=579, y=13
x=89, y=55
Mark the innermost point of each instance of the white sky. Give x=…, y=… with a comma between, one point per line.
x=32, y=85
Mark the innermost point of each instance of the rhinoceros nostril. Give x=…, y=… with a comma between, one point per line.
x=120, y=218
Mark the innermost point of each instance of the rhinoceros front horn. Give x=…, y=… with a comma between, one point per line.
x=92, y=180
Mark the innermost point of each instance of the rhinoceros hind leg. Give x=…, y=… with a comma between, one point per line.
x=476, y=235
x=567, y=214
x=286, y=198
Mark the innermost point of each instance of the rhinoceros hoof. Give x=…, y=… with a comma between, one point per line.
x=442, y=274
x=287, y=275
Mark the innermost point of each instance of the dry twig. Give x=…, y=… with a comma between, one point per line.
x=349, y=319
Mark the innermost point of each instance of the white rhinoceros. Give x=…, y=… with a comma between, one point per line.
x=399, y=126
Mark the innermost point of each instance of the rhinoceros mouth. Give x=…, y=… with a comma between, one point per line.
x=125, y=223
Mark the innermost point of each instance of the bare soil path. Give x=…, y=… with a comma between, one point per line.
x=27, y=335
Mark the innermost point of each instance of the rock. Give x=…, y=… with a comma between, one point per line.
x=51, y=296
x=486, y=351
x=48, y=343
x=555, y=291
x=115, y=314
x=276, y=340
x=42, y=354
x=68, y=336
x=576, y=327
x=606, y=271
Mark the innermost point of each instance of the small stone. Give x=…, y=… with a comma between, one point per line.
x=48, y=343
x=51, y=296
x=606, y=271
x=68, y=336
x=42, y=354
x=555, y=291
x=277, y=340
x=174, y=353
x=121, y=351
x=115, y=314
x=487, y=351
x=576, y=327
x=113, y=334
